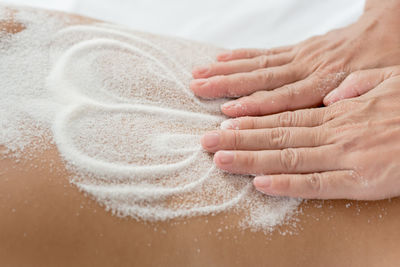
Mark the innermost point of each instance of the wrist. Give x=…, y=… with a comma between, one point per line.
x=379, y=6
x=384, y=11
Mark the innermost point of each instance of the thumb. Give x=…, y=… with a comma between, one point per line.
x=359, y=83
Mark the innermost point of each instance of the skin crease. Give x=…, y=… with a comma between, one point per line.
x=299, y=76
x=346, y=150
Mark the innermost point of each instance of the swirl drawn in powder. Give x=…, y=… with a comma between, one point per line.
x=110, y=192
x=91, y=38
x=119, y=104
x=124, y=191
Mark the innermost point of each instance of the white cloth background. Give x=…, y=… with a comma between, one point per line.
x=227, y=23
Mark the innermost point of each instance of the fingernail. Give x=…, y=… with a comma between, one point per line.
x=201, y=70
x=330, y=97
x=210, y=140
x=200, y=82
x=225, y=55
x=225, y=157
x=231, y=104
x=262, y=182
x=227, y=105
x=230, y=125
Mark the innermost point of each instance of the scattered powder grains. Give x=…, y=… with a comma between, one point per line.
x=117, y=105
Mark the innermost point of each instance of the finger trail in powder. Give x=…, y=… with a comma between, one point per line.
x=117, y=105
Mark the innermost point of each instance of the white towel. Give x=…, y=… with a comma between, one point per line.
x=227, y=23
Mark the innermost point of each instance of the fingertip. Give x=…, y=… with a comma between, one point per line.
x=330, y=98
x=234, y=109
x=203, y=142
x=200, y=72
x=327, y=101
x=228, y=109
x=195, y=75
x=231, y=124
x=262, y=183
x=192, y=86
x=215, y=158
x=228, y=112
x=210, y=141
x=224, y=56
x=197, y=85
x=224, y=158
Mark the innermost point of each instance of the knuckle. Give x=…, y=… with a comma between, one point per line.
x=263, y=61
x=237, y=139
x=253, y=122
x=289, y=159
x=278, y=137
x=314, y=184
x=250, y=160
x=348, y=145
x=290, y=93
x=265, y=76
x=330, y=138
x=302, y=52
x=332, y=113
x=286, y=119
x=286, y=96
x=245, y=123
x=328, y=63
x=391, y=72
x=320, y=135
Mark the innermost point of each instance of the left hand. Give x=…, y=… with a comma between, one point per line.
x=350, y=149
x=267, y=81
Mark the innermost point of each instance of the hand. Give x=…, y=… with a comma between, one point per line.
x=349, y=149
x=299, y=76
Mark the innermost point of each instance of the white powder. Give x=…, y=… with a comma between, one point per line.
x=117, y=105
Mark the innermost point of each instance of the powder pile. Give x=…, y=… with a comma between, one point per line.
x=117, y=105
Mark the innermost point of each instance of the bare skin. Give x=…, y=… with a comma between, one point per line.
x=46, y=221
x=328, y=152
x=321, y=153
x=267, y=81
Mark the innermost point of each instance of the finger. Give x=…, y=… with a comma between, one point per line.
x=242, y=65
x=251, y=52
x=302, y=94
x=289, y=160
x=360, y=82
x=263, y=139
x=240, y=84
x=300, y=118
x=323, y=185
